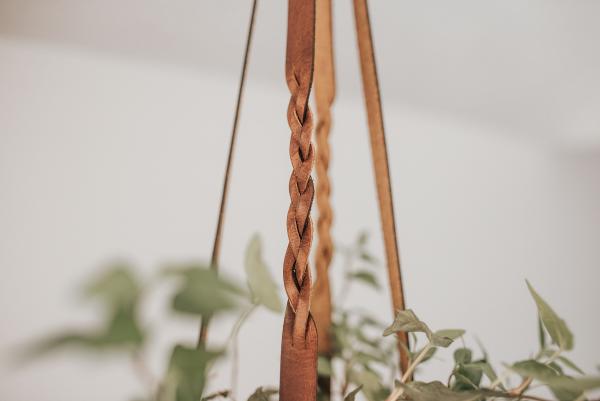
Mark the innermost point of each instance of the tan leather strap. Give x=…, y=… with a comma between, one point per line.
x=214, y=261
x=298, y=370
x=380, y=162
x=324, y=89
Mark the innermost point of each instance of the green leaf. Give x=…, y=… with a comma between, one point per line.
x=556, y=327
x=564, y=387
x=187, y=371
x=436, y=391
x=371, y=386
x=122, y=329
x=366, y=277
x=262, y=394
x=541, y=334
x=463, y=382
x=443, y=338
x=534, y=369
x=352, y=394
x=428, y=355
x=263, y=289
x=406, y=320
x=202, y=292
x=324, y=366
x=116, y=286
x=121, y=332
x=462, y=355
x=487, y=370
x=467, y=377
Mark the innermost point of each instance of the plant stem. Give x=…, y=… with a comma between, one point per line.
x=415, y=362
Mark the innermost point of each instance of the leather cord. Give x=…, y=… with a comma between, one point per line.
x=380, y=163
x=298, y=369
x=324, y=92
x=214, y=261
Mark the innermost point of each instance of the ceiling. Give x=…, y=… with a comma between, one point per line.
x=530, y=68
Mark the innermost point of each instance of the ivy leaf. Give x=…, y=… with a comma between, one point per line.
x=534, y=369
x=462, y=355
x=443, y=338
x=556, y=327
x=371, y=386
x=263, y=289
x=467, y=377
x=541, y=334
x=436, y=391
x=486, y=369
x=120, y=330
x=116, y=286
x=406, y=320
x=564, y=387
x=428, y=355
x=262, y=394
x=202, y=292
x=187, y=371
x=352, y=394
x=366, y=277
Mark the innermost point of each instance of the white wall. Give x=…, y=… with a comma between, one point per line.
x=102, y=157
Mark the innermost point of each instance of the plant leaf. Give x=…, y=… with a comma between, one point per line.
x=366, y=277
x=564, y=387
x=262, y=394
x=556, y=327
x=463, y=355
x=187, y=371
x=202, y=292
x=428, y=355
x=263, y=289
x=406, y=320
x=352, y=394
x=436, y=391
x=443, y=338
x=487, y=370
x=117, y=286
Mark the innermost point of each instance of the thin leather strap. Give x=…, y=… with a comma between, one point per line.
x=324, y=95
x=298, y=369
x=324, y=92
x=214, y=261
x=380, y=163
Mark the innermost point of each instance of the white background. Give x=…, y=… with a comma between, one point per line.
x=114, y=124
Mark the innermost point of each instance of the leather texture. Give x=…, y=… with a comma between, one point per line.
x=324, y=93
x=298, y=369
x=380, y=163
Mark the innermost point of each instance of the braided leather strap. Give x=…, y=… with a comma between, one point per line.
x=298, y=370
x=324, y=94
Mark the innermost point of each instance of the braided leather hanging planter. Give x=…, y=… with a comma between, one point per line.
x=300, y=341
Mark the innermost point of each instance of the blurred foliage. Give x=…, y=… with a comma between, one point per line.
x=363, y=363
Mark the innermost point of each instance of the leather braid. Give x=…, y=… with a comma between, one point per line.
x=298, y=369
x=296, y=271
